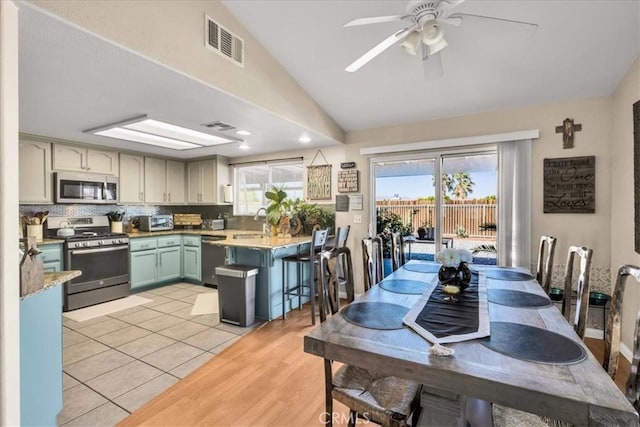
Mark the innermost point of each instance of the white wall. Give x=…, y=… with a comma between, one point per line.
x=9, y=277
x=623, y=193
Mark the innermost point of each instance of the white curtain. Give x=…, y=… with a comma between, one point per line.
x=514, y=203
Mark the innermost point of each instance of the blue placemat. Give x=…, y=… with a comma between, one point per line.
x=402, y=286
x=375, y=315
x=422, y=268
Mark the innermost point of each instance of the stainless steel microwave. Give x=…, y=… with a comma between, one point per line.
x=71, y=187
x=156, y=222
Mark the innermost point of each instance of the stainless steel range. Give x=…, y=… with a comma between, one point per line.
x=102, y=256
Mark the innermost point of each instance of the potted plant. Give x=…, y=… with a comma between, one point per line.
x=277, y=204
x=312, y=215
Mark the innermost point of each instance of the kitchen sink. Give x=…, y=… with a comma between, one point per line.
x=247, y=236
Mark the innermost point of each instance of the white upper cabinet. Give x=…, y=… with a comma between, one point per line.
x=205, y=179
x=175, y=182
x=35, y=172
x=131, y=179
x=164, y=181
x=79, y=159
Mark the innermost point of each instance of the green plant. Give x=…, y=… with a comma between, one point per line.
x=488, y=226
x=277, y=205
x=461, y=231
x=386, y=223
x=487, y=248
x=311, y=215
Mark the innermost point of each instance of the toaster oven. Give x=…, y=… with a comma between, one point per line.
x=156, y=222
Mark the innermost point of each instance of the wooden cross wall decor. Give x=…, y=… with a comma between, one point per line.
x=567, y=129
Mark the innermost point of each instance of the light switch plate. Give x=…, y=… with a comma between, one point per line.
x=357, y=219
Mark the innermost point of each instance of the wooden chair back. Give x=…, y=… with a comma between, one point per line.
x=545, y=261
x=372, y=261
x=612, y=334
x=331, y=264
x=397, y=251
x=579, y=321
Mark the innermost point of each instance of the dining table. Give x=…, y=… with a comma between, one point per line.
x=543, y=367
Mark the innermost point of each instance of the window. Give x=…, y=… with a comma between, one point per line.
x=251, y=182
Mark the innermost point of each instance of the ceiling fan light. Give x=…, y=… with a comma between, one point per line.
x=411, y=43
x=432, y=33
x=435, y=48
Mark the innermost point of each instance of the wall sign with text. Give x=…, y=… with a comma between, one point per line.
x=348, y=181
x=319, y=182
x=570, y=185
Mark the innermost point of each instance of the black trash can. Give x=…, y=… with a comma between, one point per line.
x=237, y=293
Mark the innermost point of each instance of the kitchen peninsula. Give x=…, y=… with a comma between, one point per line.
x=240, y=247
x=41, y=351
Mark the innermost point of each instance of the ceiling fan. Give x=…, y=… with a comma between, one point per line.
x=425, y=33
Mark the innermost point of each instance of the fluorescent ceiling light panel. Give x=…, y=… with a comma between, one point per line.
x=145, y=138
x=155, y=132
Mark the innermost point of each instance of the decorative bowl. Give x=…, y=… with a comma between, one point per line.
x=598, y=298
x=556, y=294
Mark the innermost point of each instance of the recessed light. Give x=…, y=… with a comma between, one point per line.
x=243, y=146
x=304, y=139
x=243, y=132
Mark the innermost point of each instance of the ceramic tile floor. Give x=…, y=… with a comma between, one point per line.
x=114, y=364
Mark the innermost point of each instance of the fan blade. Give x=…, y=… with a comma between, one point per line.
x=374, y=20
x=432, y=65
x=379, y=48
x=506, y=22
x=451, y=21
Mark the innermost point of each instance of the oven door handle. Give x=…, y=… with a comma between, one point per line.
x=93, y=251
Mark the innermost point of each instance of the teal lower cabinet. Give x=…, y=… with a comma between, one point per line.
x=155, y=260
x=143, y=268
x=169, y=263
x=51, y=257
x=269, y=280
x=191, y=263
x=41, y=358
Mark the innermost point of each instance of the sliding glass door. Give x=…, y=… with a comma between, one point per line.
x=458, y=210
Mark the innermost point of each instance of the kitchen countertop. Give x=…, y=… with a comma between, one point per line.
x=55, y=279
x=260, y=242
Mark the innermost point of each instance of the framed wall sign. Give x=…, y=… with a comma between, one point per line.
x=570, y=185
x=347, y=165
x=319, y=182
x=348, y=181
x=342, y=203
x=356, y=202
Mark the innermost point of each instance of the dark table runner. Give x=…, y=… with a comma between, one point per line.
x=442, y=321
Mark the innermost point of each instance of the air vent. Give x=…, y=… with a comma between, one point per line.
x=217, y=125
x=223, y=41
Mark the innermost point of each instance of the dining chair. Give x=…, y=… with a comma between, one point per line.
x=397, y=250
x=302, y=259
x=612, y=333
x=372, y=261
x=545, y=261
x=633, y=380
x=581, y=282
x=386, y=400
x=342, y=235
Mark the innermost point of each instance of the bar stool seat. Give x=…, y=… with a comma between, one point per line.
x=310, y=258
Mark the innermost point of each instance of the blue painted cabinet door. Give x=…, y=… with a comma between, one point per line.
x=143, y=268
x=169, y=263
x=51, y=257
x=191, y=263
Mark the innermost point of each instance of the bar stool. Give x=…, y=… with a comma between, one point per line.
x=318, y=242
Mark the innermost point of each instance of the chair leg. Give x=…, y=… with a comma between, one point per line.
x=299, y=275
x=312, y=292
x=328, y=386
x=284, y=289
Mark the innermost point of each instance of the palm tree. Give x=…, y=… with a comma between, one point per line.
x=463, y=185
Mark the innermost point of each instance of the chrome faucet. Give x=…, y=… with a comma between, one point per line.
x=266, y=229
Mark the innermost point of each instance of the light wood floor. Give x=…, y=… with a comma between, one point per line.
x=265, y=379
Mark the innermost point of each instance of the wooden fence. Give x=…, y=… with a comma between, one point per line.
x=469, y=214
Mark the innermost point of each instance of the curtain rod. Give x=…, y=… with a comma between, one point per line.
x=266, y=162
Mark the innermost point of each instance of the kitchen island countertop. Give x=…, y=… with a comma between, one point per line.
x=258, y=242
x=55, y=279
